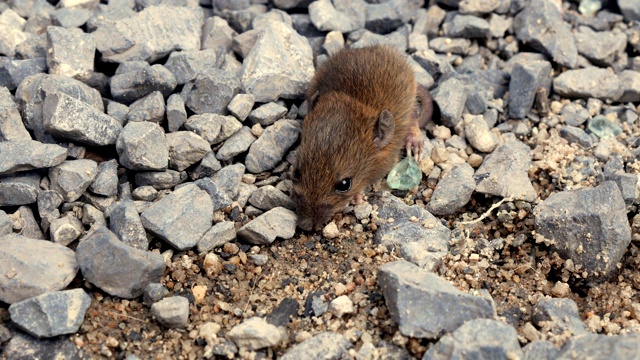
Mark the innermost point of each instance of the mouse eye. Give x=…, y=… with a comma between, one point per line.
x=343, y=185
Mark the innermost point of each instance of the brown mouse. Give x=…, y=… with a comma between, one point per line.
x=362, y=113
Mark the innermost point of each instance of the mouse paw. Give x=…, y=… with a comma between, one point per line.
x=414, y=143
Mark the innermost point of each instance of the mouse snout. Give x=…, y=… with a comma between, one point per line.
x=313, y=217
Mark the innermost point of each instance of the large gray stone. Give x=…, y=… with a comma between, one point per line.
x=255, y=333
x=526, y=78
x=266, y=152
x=129, y=86
x=185, y=149
x=213, y=127
x=219, y=234
x=228, y=179
x=148, y=108
x=601, y=347
x=51, y=314
x=186, y=65
x=106, y=181
x=603, y=48
x=143, y=146
x=450, y=96
x=560, y=316
x=11, y=126
x=426, y=306
x=453, y=190
x=125, y=223
x=70, y=52
x=180, y=218
x=33, y=267
x=72, y=178
x=172, y=312
x=591, y=82
x=236, y=144
x=340, y=15
x=325, y=345
x=19, y=189
x=211, y=91
x=116, y=268
x=263, y=230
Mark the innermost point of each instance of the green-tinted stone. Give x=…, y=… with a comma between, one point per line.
x=603, y=127
x=589, y=7
x=405, y=175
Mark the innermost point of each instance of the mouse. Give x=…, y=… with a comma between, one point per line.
x=362, y=113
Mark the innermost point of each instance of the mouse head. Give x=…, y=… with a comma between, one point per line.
x=338, y=157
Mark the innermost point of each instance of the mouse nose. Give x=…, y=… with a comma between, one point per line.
x=313, y=217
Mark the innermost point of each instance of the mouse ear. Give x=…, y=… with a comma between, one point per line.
x=311, y=101
x=383, y=129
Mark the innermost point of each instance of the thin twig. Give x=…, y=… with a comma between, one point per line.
x=486, y=213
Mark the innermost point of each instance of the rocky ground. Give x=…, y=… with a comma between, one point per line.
x=145, y=210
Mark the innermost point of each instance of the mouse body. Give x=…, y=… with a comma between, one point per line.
x=362, y=114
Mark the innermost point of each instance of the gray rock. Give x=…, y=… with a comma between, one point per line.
x=505, y=173
x=154, y=292
x=526, y=78
x=30, y=227
x=477, y=132
x=531, y=27
x=116, y=268
x=145, y=193
x=71, y=17
x=208, y=166
x=269, y=197
x=11, y=126
x=69, y=118
x=51, y=314
x=148, y=108
x=91, y=216
x=576, y=135
x=212, y=127
x=290, y=4
x=72, y=178
x=219, y=197
x=478, y=339
x=478, y=7
x=172, y=312
x=340, y=15
x=19, y=189
x=106, y=181
x=143, y=146
x=426, y=306
x=267, y=114
x=255, y=333
x=566, y=217
x=186, y=65
x=13, y=71
x=561, y=316
x=328, y=345
x=219, y=234
x=601, y=48
x=453, y=190
x=211, y=91
x=277, y=222
x=574, y=114
x=70, y=52
x=33, y=91
x=630, y=82
x=228, y=179
x=34, y=47
x=151, y=34
x=237, y=144
x=424, y=243
x=6, y=225
x=540, y=350
x=590, y=82
x=180, y=218
x=65, y=229
x=56, y=348
x=241, y=105
x=160, y=180
x=176, y=112
x=387, y=16
x=601, y=347
x=263, y=19
x=450, y=96
x=185, y=149
x=217, y=34
x=125, y=223
x=445, y=45
x=117, y=111
x=280, y=64
x=397, y=39
x=467, y=26
x=12, y=37
x=34, y=267
x=130, y=86
x=630, y=9
x=266, y=152
x=243, y=43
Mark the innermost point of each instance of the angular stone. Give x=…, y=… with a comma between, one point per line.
x=160, y=180
x=267, y=114
x=453, y=190
x=505, y=173
x=211, y=91
x=185, y=149
x=65, y=229
x=149, y=108
x=212, y=127
x=186, y=65
x=217, y=34
x=241, y=105
x=172, y=312
x=125, y=223
x=566, y=217
x=51, y=314
x=180, y=218
x=255, y=333
x=106, y=181
x=266, y=152
x=33, y=91
x=426, y=306
x=590, y=82
x=630, y=81
x=340, y=15
x=69, y=118
x=277, y=222
x=219, y=234
x=70, y=52
x=269, y=197
x=176, y=112
x=478, y=134
x=574, y=114
x=55, y=348
x=129, y=86
x=467, y=26
x=117, y=111
x=478, y=339
x=576, y=135
x=143, y=146
x=450, y=96
x=560, y=316
x=280, y=64
x=154, y=292
x=116, y=268
x=33, y=267
x=11, y=126
x=630, y=9
x=151, y=34
x=218, y=196
x=208, y=166
x=531, y=26
x=30, y=227
x=13, y=71
x=6, y=225
x=228, y=179
x=70, y=18
x=600, y=346
x=12, y=37
x=526, y=79
x=445, y=45
x=387, y=16
x=602, y=48
x=540, y=349
x=326, y=344
x=236, y=144
x=19, y=189
x=72, y=178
